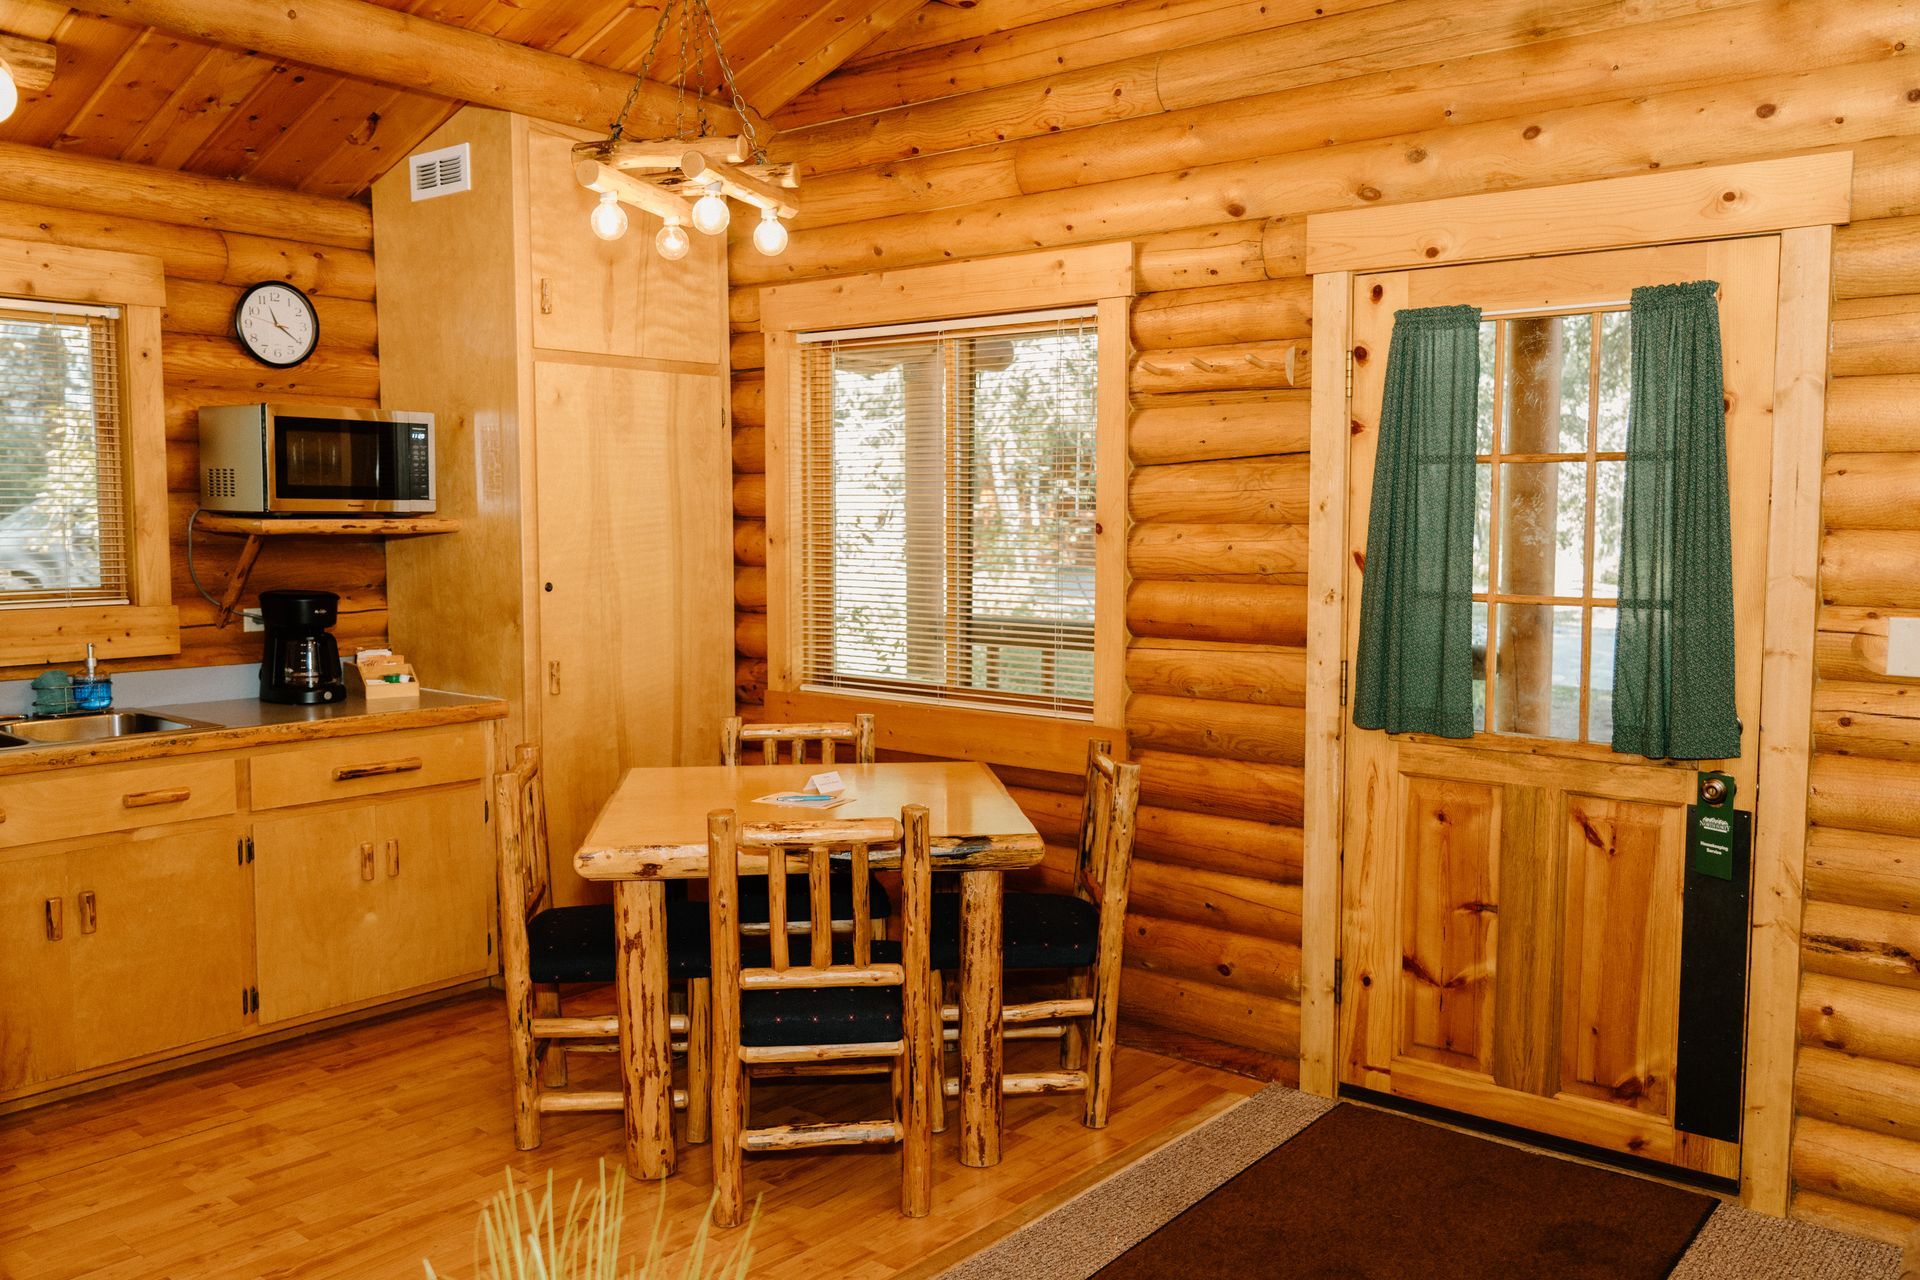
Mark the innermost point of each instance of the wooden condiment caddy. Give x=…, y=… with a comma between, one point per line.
x=367, y=676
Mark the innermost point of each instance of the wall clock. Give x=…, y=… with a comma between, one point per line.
x=276, y=324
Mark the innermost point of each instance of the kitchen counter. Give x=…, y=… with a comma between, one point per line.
x=248, y=722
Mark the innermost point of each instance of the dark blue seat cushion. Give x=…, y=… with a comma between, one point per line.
x=821, y=1015
x=753, y=898
x=576, y=944
x=1037, y=931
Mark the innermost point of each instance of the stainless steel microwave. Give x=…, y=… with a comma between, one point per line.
x=266, y=459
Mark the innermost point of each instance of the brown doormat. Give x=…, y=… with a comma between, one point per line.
x=1369, y=1195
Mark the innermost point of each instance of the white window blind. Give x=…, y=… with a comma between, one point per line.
x=945, y=483
x=63, y=523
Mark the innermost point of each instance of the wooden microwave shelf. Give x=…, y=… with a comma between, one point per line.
x=254, y=528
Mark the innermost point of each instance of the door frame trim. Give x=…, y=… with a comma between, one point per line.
x=1801, y=199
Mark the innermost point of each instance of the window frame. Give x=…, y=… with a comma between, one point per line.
x=149, y=624
x=1101, y=276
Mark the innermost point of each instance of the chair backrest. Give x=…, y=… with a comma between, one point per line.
x=773, y=850
x=1105, y=861
x=520, y=832
x=825, y=735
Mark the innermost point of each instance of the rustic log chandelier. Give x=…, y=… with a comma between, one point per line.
x=659, y=174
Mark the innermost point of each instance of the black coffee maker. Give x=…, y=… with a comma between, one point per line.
x=302, y=662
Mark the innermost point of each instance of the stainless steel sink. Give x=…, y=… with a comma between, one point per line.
x=93, y=728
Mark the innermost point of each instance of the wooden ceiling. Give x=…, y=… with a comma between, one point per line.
x=134, y=93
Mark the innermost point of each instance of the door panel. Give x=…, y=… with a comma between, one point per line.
x=36, y=995
x=315, y=907
x=437, y=876
x=1512, y=902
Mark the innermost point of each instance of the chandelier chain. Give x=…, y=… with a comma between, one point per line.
x=640, y=77
x=691, y=39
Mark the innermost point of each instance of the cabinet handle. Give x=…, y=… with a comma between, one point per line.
x=347, y=773
x=393, y=857
x=89, y=912
x=546, y=296
x=55, y=931
x=146, y=799
x=366, y=861
x=553, y=678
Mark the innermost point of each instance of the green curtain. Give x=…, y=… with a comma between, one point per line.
x=1673, y=660
x=1415, y=662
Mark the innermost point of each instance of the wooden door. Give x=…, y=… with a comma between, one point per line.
x=317, y=899
x=634, y=552
x=36, y=993
x=162, y=943
x=1511, y=903
x=436, y=872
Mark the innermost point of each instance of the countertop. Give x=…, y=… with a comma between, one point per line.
x=248, y=722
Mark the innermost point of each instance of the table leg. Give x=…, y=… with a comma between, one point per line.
x=646, y=1056
x=980, y=1068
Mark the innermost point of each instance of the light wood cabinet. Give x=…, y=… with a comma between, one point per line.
x=580, y=388
x=36, y=1035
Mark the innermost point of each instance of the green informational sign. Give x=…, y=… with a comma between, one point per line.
x=1718, y=834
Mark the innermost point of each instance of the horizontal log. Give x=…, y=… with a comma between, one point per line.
x=1227, y=673
x=749, y=449
x=1886, y=178
x=1852, y=1164
x=1055, y=815
x=1862, y=869
x=1879, y=1097
x=750, y=635
x=1230, y=313
x=746, y=351
x=1240, y=491
x=204, y=308
x=1231, y=730
x=1232, y=612
x=1874, y=415
x=1196, y=953
x=749, y=587
x=1871, y=491
x=1848, y=720
x=750, y=497
x=1237, y=904
x=1202, y=429
x=938, y=24
x=218, y=362
x=750, y=681
x=749, y=402
x=1225, y=253
x=1867, y=1019
x=68, y=180
x=1872, y=567
x=749, y=542
x=1230, y=788
x=1240, y=1018
x=1189, y=551
x=1274, y=365
x=1863, y=795
x=1861, y=943
x=1872, y=259
x=1852, y=1218
x=1262, y=850
x=1875, y=337
x=743, y=307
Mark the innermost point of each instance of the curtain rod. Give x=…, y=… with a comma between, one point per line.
x=1580, y=309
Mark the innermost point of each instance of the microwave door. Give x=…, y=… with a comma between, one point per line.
x=322, y=463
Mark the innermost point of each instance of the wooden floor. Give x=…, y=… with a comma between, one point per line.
x=362, y=1151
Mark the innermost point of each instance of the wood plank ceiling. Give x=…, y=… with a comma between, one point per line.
x=134, y=93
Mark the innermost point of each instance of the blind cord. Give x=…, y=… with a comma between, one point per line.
x=193, y=573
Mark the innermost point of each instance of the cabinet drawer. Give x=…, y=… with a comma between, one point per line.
x=93, y=800
x=372, y=765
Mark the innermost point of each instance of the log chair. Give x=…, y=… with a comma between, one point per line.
x=543, y=947
x=848, y=1002
x=1080, y=931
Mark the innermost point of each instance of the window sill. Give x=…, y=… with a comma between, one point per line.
x=957, y=733
x=61, y=633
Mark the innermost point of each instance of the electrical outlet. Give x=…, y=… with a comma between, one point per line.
x=250, y=620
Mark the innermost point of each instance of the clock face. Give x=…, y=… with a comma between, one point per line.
x=276, y=324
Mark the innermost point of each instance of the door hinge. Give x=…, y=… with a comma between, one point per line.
x=1339, y=979
x=1349, y=373
x=1343, y=682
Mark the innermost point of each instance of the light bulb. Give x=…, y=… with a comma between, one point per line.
x=608, y=219
x=770, y=237
x=710, y=213
x=672, y=241
x=9, y=92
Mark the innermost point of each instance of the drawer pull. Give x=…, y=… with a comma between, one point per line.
x=89, y=912
x=393, y=857
x=55, y=914
x=366, y=860
x=347, y=773
x=146, y=799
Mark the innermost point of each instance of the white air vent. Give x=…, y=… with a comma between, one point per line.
x=440, y=173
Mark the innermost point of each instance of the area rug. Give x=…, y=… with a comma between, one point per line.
x=1362, y=1194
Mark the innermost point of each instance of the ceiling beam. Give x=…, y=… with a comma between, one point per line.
x=370, y=42
x=29, y=62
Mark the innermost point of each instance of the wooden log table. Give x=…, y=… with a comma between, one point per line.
x=653, y=829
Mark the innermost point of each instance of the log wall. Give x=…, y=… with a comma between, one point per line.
x=214, y=239
x=1204, y=133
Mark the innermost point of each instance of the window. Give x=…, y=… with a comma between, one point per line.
x=63, y=527
x=1551, y=455
x=946, y=508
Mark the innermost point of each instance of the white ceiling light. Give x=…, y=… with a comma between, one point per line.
x=9, y=92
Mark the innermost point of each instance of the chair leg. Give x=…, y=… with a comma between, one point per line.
x=729, y=1118
x=699, y=1059
x=524, y=1052
x=938, y=1102
x=1102, y=1031
x=916, y=1145
x=1073, y=1043
x=553, y=1058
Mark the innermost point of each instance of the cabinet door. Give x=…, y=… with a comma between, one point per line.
x=36, y=994
x=160, y=942
x=615, y=297
x=317, y=901
x=636, y=643
x=436, y=868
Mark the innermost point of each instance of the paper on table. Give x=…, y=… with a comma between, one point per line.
x=803, y=800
